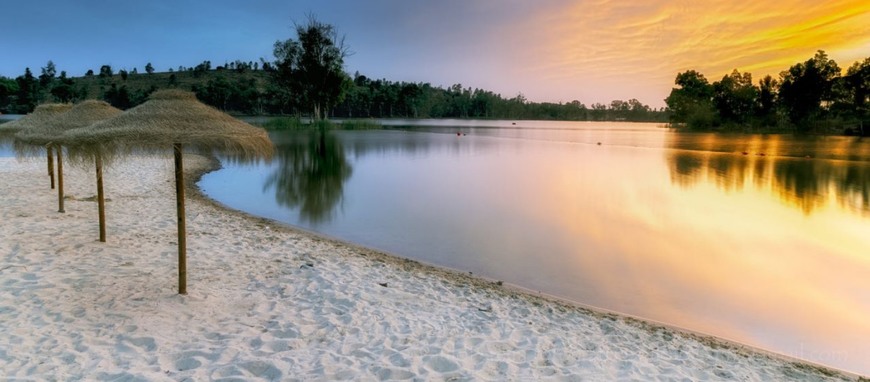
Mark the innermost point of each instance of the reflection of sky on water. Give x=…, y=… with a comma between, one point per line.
x=6, y=149
x=680, y=228
x=6, y=138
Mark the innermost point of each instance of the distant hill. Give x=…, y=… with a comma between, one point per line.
x=246, y=89
x=96, y=86
x=239, y=88
x=231, y=90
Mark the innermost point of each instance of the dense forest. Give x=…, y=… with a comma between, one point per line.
x=814, y=96
x=248, y=88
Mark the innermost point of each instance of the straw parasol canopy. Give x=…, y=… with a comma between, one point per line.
x=81, y=115
x=176, y=119
x=39, y=117
x=171, y=117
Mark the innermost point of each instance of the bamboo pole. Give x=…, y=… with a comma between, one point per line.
x=182, y=230
x=59, y=179
x=101, y=202
x=50, y=165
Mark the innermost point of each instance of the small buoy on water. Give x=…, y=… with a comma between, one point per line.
x=458, y=134
x=599, y=143
x=745, y=153
x=513, y=123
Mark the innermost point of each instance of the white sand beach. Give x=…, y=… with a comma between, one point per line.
x=270, y=303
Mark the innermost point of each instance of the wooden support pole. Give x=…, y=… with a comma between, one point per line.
x=182, y=230
x=101, y=201
x=59, y=179
x=50, y=165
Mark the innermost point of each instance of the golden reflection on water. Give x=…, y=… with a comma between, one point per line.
x=804, y=178
x=799, y=265
x=770, y=250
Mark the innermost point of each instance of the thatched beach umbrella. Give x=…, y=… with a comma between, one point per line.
x=47, y=134
x=175, y=119
x=39, y=117
x=81, y=115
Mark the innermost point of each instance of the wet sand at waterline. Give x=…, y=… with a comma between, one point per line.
x=267, y=302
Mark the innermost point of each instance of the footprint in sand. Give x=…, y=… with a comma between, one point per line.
x=123, y=376
x=496, y=369
x=385, y=374
x=186, y=364
x=247, y=371
x=279, y=346
x=398, y=360
x=190, y=360
x=286, y=333
x=146, y=344
x=440, y=364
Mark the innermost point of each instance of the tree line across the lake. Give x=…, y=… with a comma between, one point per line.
x=306, y=79
x=242, y=89
x=811, y=96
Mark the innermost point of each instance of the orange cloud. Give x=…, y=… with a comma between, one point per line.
x=648, y=44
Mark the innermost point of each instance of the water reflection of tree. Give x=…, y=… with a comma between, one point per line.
x=730, y=171
x=804, y=182
x=685, y=168
x=311, y=171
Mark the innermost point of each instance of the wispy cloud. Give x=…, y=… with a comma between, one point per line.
x=648, y=44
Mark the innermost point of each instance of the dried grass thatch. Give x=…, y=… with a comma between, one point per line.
x=172, y=117
x=53, y=130
x=39, y=117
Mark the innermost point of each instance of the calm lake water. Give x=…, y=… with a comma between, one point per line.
x=761, y=239
x=6, y=141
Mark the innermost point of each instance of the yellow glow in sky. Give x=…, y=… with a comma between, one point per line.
x=605, y=43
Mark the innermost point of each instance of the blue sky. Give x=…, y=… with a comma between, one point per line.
x=549, y=50
x=442, y=42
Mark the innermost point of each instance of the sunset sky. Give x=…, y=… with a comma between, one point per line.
x=550, y=50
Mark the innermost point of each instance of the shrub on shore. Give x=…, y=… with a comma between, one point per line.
x=284, y=123
x=360, y=124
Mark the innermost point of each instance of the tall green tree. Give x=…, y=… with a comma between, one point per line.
x=47, y=76
x=8, y=89
x=856, y=89
x=765, y=106
x=691, y=103
x=311, y=68
x=734, y=98
x=149, y=68
x=637, y=110
x=805, y=87
x=106, y=71
x=28, y=92
x=64, y=90
x=118, y=97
